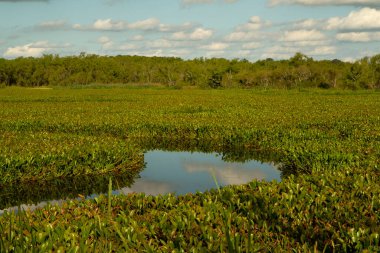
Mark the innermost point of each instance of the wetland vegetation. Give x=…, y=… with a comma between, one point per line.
x=327, y=142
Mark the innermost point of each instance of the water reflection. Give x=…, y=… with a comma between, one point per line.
x=149, y=187
x=61, y=188
x=227, y=175
x=165, y=172
x=25, y=207
x=229, y=152
x=184, y=172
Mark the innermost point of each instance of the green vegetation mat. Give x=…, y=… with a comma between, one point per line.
x=327, y=142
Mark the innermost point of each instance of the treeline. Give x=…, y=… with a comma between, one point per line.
x=296, y=72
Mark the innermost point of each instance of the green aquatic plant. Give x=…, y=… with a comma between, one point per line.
x=327, y=145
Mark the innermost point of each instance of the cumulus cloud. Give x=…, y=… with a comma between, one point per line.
x=150, y=24
x=252, y=45
x=147, y=24
x=197, y=34
x=32, y=49
x=358, y=36
x=216, y=46
x=108, y=24
x=307, y=24
x=285, y=52
x=279, y=52
x=176, y=28
x=242, y=36
x=327, y=2
x=106, y=42
x=303, y=35
x=243, y=53
x=138, y=37
x=254, y=23
x=52, y=25
x=322, y=51
x=248, y=31
x=365, y=18
x=128, y=46
x=160, y=43
x=179, y=52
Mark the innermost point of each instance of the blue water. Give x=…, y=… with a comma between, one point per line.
x=185, y=172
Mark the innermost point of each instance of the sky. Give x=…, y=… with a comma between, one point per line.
x=244, y=29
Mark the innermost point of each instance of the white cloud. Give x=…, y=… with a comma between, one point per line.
x=242, y=36
x=358, y=36
x=243, y=53
x=248, y=31
x=311, y=43
x=52, y=25
x=138, y=37
x=279, y=52
x=349, y=59
x=32, y=49
x=216, y=46
x=128, y=46
x=307, y=24
x=108, y=24
x=327, y=2
x=365, y=18
x=322, y=51
x=179, y=52
x=283, y=52
x=197, y=34
x=252, y=45
x=150, y=24
x=254, y=23
x=77, y=27
x=106, y=42
x=303, y=35
x=216, y=53
x=175, y=28
x=160, y=43
x=147, y=24
x=112, y=25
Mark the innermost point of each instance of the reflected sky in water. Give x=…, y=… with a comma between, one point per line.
x=184, y=172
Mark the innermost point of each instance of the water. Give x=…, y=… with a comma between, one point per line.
x=185, y=172
x=165, y=172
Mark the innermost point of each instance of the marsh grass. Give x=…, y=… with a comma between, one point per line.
x=328, y=199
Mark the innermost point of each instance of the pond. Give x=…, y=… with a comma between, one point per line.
x=185, y=172
x=164, y=172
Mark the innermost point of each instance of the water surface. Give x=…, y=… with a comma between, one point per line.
x=185, y=172
x=164, y=172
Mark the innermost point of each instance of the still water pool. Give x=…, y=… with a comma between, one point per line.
x=164, y=172
x=185, y=172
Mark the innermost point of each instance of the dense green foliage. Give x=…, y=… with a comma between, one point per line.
x=328, y=143
x=298, y=71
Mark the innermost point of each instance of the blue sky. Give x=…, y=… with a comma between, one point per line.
x=250, y=29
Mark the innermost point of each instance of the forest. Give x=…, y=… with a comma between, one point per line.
x=300, y=71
